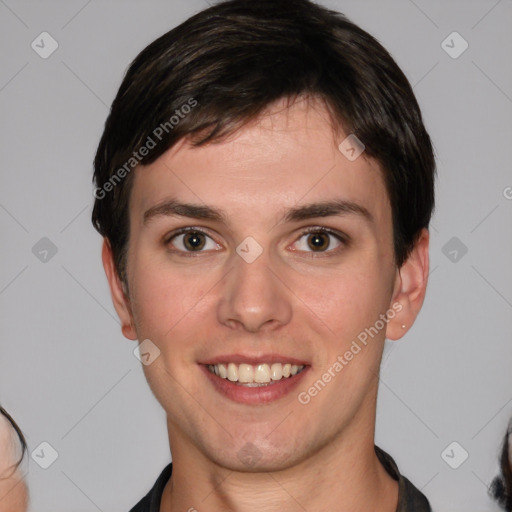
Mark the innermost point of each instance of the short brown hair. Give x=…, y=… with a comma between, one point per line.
x=236, y=58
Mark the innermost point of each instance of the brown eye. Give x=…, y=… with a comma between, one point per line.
x=191, y=240
x=319, y=240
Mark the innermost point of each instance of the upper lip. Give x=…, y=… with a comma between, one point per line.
x=254, y=360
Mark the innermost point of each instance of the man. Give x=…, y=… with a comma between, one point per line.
x=264, y=186
x=13, y=489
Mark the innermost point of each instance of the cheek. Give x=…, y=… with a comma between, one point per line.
x=346, y=300
x=174, y=307
x=161, y=300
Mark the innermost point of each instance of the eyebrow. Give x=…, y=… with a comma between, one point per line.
x=337, y=207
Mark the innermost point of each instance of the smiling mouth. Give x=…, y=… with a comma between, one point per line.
x=249, y=375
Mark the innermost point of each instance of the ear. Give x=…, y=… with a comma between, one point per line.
x=410, y=287
x=119, y=296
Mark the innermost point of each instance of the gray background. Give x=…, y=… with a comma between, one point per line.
x=68, y=375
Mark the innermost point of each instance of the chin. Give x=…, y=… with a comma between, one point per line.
x=256, y=454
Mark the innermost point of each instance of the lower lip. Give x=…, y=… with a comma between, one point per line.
x=254, y=395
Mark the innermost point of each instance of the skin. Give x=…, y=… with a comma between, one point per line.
x=13, y=490
x=292, y=300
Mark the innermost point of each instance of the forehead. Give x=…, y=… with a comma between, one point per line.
x=288, y=156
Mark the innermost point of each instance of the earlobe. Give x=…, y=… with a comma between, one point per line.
x=410, y=287
x=119, y=296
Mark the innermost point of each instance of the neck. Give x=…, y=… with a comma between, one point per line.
x=345, y=475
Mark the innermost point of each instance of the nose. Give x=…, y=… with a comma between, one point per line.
x=254, y=296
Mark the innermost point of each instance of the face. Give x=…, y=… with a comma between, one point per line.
x=283, y=263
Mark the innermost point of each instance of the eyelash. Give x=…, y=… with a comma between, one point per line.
x=342, y=238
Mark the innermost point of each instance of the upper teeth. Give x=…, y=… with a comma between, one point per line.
x=261, y=373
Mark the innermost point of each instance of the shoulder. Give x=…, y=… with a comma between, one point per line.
x=151, y=502
x=410, y=499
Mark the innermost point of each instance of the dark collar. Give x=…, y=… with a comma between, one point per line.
x=410, y=499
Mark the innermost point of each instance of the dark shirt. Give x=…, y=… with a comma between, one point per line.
x=410, y=499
